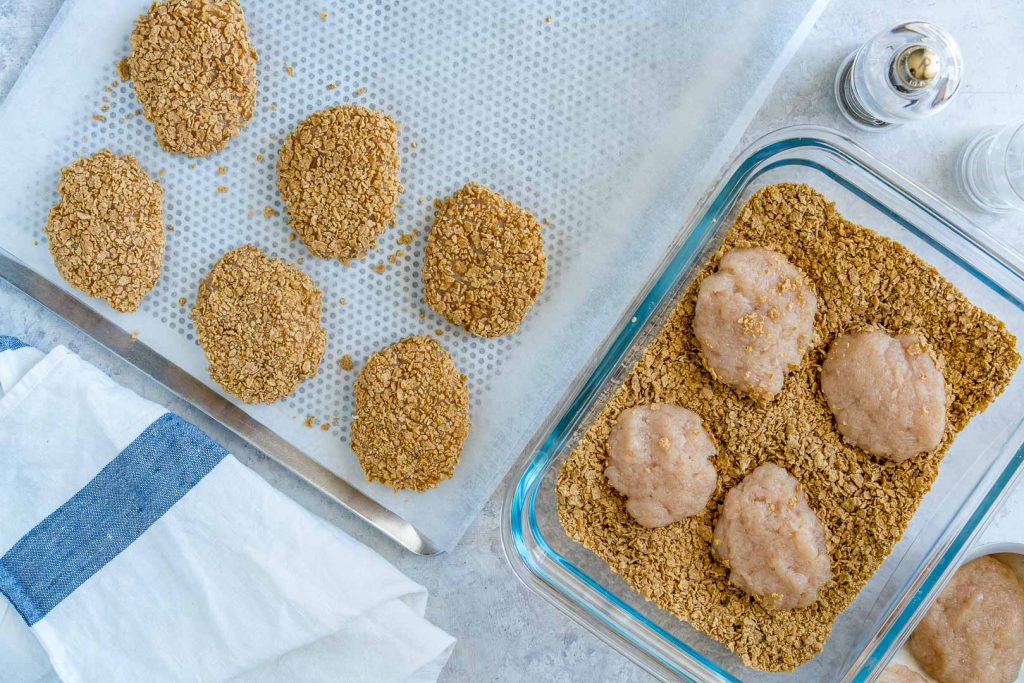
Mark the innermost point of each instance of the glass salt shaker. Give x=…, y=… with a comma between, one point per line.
x=991, y=169
x=906, y=73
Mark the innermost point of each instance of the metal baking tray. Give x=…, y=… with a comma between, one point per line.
x=211, y=403
x=502, y=93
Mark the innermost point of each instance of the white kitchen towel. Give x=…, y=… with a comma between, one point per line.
x=137, y=549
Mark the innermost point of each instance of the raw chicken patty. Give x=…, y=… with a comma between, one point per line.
x=975, y=630
x=659, y=458
x=771, y=540
x=754, y=320
x=886, y=393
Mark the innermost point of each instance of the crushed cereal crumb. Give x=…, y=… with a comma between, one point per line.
x=484, y=264
x=341, y=207
x=258, y=320
x=194, y=71
x=411, y=415
x=106, y=234
x=672, y=565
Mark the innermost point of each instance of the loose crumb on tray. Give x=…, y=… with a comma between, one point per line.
x=865, y=503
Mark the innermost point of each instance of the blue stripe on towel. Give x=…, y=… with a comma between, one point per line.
x=11, y=343
x=131, y=493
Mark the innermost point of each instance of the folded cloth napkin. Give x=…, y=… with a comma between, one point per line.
x=135, y=548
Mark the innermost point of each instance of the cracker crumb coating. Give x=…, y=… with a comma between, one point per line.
x=411, y=415
x=338, y=175
x=258, y=320
x=485, y=264
x=194, y=70
x=106, y=234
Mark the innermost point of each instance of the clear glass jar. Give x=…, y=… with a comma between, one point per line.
x=991, y=169
x=903, y=74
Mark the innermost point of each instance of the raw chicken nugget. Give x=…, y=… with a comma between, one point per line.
x=975, y=629
x=886, y=393
x=411, y=416
x=771, y=540
x=106, y=234
x=258, y=320
x=659, y=458
x=897, y=673
x=485, y=264
x=338, y=175
x=754, y=320
x=194, y=70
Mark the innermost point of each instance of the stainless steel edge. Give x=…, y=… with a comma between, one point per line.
x=213, y=405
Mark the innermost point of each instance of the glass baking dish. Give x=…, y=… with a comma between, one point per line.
x=977, y=471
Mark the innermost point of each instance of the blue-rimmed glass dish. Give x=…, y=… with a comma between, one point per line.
x=976, y=473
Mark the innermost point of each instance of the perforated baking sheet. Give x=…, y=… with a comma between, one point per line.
x=605, y=119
